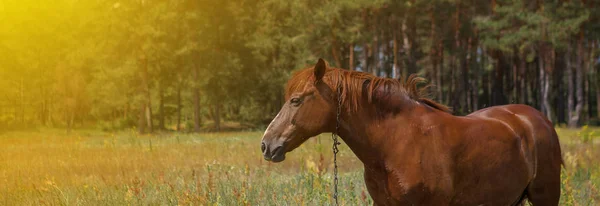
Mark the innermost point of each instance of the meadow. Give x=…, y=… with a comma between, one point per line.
x=90, y=167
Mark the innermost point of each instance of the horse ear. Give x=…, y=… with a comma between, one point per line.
x=320, y=69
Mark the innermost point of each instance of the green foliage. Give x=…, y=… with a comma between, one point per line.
x=81, y=62
x=517, y=24
x=587, y=135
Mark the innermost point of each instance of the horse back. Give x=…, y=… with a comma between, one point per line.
x=531, y=125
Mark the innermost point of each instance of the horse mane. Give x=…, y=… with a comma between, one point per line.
x=351, y=84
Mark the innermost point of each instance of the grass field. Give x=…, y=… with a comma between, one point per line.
x=49, y=167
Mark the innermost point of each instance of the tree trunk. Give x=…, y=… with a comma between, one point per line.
x=366, y=50
x=587, y=114
x=464, y=82
x=146, y=82
x=534, y=84
x=451, y=83
x=196, y=96
x=544, y=85
x=559, y=88
x=69, y=120
x=465, y=77
x=586, y=87
x=589, y=68
x=407, y=49
x=570, y=87
x=488, y=79
x=498, y=97
x=433, y=52
x=375, y=67
x=516, y=91
x=145, y=121
x=460, y=56
x=366, y=54
x=598, y=92
x=178, y=107
x=410, y=38
x=217, y=116
x=476, y=77
x=396, y=65
x=351, y=59
x=597, y=81
x=161, y=106
x=546, y=65
x=334, y=52
x=522, y=91
x=440, y=71
x=574, y=121
x=142, y=119
x=149, y=117
x=472, y=65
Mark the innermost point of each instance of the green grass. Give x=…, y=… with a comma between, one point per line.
x=49, y=167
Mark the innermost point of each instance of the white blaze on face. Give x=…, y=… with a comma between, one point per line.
x=271, y=124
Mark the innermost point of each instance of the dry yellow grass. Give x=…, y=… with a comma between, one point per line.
x=93, y=167
x=49, y=167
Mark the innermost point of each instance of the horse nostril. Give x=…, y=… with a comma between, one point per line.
x=263, y=147
x=276, y=150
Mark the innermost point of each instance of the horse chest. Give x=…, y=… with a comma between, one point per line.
x=405, y=188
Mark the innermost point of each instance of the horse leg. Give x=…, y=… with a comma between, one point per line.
x=375, y=187
x=544, y=189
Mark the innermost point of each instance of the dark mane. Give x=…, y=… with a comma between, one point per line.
x=351, y=83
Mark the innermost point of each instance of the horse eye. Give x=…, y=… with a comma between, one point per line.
x=295, y=101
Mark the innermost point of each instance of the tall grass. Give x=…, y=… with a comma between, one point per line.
x=50, y=167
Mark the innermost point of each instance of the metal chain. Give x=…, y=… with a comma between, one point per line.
x=335, y=146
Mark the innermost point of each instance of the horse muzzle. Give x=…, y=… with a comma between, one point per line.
x=273, y=153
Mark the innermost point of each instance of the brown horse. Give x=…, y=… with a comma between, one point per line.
x=413, y=150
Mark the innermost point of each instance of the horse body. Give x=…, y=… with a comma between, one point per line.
x=413, y=150
x=486, y=158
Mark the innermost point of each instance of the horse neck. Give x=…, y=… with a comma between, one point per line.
x=364, y=130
